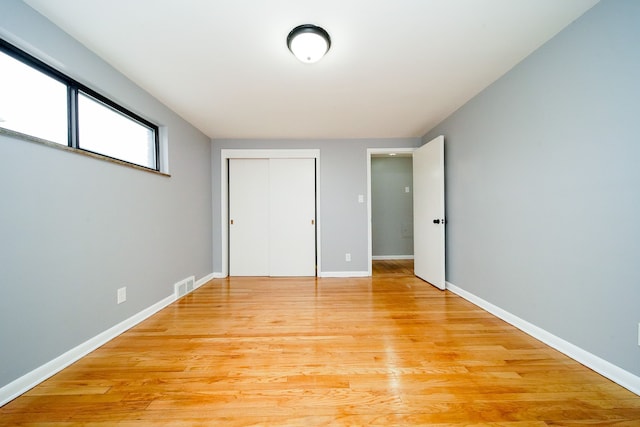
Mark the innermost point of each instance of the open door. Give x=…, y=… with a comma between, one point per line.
x=428, y=212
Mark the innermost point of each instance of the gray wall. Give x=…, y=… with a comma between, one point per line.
x=73, y=229
x=343, y=176
x=543, y=187
x=391, y=206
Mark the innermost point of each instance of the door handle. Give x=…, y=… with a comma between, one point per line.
x=439, y=221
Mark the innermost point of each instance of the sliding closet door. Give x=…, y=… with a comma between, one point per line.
x=272, y=224
x=292, y=217
x=249, y=217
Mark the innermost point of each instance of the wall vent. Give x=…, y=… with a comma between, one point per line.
x=184, y=286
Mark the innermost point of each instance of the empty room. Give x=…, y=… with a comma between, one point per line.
x=300, y=213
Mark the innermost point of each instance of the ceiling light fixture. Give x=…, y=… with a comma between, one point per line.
x=309, y=43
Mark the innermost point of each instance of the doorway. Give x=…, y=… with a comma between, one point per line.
x=390, y=201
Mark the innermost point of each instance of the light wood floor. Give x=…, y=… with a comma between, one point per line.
x=391, y=350
x=402, y=267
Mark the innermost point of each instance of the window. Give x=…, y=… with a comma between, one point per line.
x=39, y=101
x=107, y=131
x=32, y=102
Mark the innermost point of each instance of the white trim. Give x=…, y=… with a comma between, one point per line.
x=35, y=377
x=370, y=152
x=607, y=369
x=217, y=275
x=241, y=153
x=344, y=274
x=225, y=155
x=31, y=379
x=204, y=280
x=391, y=257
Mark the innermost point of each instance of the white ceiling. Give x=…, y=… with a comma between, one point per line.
x=396, y=68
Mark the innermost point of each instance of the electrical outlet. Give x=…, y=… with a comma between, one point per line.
x=122, y=295
x=347, y=257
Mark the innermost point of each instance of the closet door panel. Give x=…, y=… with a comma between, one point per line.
x=292, y=225
x=249, y=217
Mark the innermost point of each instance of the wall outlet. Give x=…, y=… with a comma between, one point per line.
x=122, y=295
x=347, y=257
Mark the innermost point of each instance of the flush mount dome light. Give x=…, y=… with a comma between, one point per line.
x=309, y=43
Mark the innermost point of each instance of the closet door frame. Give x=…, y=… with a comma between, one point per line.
x=227, y=154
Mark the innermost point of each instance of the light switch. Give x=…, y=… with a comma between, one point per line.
x=406, y=189
x=360, y=198
x=122, y=295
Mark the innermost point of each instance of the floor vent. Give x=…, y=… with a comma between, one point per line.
x=184, y=286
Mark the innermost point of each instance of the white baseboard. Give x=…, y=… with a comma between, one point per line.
x=616, y=374
x=344, y=274
x=204, y=280
x=218, y=275
x=385, y=257
x=38, y=375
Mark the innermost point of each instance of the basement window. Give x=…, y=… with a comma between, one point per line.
x=38, y=101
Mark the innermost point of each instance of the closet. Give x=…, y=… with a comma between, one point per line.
x=272, y=217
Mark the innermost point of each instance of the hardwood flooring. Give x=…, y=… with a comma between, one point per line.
x=381, y=351
x=402, y=267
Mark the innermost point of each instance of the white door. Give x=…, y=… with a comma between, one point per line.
x=249, y=217
x=428, y=212
x=292, y=233
x=272, y=217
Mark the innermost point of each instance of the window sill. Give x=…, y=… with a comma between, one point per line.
x=36, y=140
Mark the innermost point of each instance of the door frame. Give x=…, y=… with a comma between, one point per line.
x=370, y=153
x=225, y=155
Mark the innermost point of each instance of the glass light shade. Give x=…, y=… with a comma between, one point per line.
x=308, y=43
